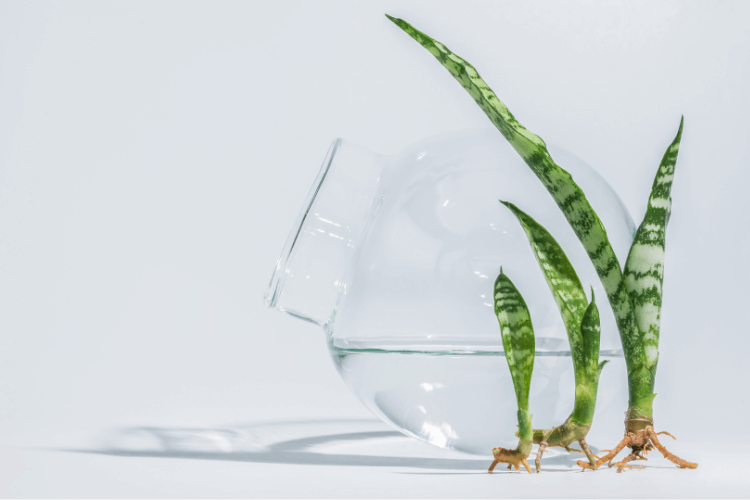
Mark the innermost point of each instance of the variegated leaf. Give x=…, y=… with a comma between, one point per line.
x=518, y=336
x=644, y=267
x=591, y=332
x=562, y=280
x=587, y=380
x=560, y=184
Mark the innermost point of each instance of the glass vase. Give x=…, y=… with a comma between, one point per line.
x=395, y=258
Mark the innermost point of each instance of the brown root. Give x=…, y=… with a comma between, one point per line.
x=539, y=453
x=593, y=459
x=640, y=442
x=683, y=464
x=609, y=456
x=513, y=458
x=563, y=436
x=668, y=434
x=621, y=466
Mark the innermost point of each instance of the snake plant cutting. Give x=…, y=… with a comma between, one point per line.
x=581, y=320
x=517, y=334
x=634, y=294
x=582, y=324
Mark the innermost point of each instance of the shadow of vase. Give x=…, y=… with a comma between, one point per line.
x=341, y=442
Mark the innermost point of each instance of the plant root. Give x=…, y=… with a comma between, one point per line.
x=543, y=447
x=640, y=442
x=593, y=459
x=563, y=436
x=621, y=466
x=682, y=464
x=513, y=458
x=609, y=456
x=668, y=434
x=539, y=453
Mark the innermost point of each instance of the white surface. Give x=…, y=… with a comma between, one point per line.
x=154, y=155
x=339, y=459
x=65, y=477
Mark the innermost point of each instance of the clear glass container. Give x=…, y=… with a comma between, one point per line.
x=395, y=258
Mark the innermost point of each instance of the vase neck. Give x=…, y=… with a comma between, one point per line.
x=310, y=274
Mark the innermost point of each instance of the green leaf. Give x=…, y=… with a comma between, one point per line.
x=581, y=318
x=518, y=336
x=601, y=366
x=644, y=267
x=587, y=379
x=591, y=332
x=560, y=184
x=562, y=280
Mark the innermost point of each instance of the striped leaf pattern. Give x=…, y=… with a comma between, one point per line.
x=518, y=337
x=560, y=184
x=563, y=282
x=581, y=322
x=644, y=267
x=591, y=333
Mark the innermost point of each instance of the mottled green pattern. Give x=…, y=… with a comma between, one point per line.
x=644, y=268
x=560, y=184
x=525, y=432
x=561, y=278
x=518, y=336
x=587, y=380
x=581, y=322
x=591, y=333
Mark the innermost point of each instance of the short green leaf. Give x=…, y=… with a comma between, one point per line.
x=517, y=335
x=591, y=333
x=562, y=280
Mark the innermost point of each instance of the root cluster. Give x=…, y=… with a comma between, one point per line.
x=514, y=458
x=563, y=436
x=640, y=437
x=640, y=442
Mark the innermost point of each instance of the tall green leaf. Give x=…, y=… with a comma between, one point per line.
x=560, y=184
x=644, y=267
x=562, y=280
x=518, y=336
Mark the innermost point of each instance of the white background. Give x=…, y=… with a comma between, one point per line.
x=153, y=157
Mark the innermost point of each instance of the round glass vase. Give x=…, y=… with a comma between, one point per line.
x=395, y=258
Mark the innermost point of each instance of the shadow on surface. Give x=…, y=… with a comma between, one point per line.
x=293, y=443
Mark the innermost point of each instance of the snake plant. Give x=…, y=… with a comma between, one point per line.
x=581, y=320
x=518, y=343
x=635, y=295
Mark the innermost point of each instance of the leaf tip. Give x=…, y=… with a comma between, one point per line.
x=398, y=22
x=679, y=130
x=510, y=206
x=601, y=365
